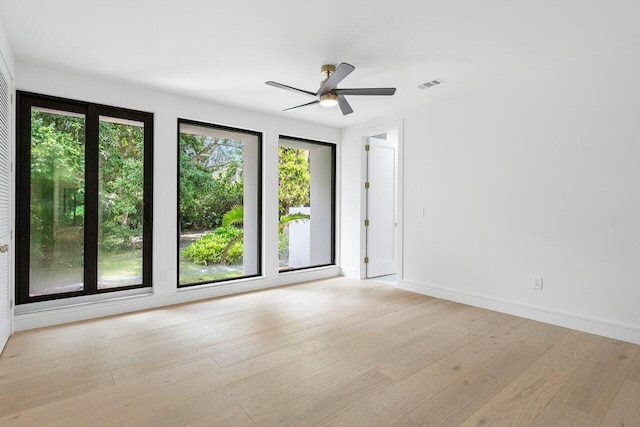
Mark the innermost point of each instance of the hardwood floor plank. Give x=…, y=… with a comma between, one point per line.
x=595, y=384
x=335, y=399
x=523, y=399
x=177, y=336
x=457, y=402
x=383, y=347
x=360, y=355
x=625, y=409
x=34, y=392
x=232, y=416
x=403, y=397
x=82, y=405
x=335, y=352
x=446, y=337
x=154, y=365
x=345, y=328
x=559, y=415
x=185, y=401
x=634, y=372
x=342, y=346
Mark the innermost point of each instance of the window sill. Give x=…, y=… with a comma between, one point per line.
x=39, y=307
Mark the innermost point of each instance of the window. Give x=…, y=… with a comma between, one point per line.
x=219, y=210
x=83, y=200
x=306, y=203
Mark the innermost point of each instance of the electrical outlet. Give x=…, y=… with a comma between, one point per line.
x=537, y=283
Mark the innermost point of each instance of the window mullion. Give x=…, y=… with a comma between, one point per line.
x=148, y=201
x=91, y=201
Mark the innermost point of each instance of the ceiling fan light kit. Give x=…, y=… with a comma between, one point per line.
x=329, y=100
x=329, y=95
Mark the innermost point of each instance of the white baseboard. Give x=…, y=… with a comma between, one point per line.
x=352, y=274
x=578, y=322
x=96, y=309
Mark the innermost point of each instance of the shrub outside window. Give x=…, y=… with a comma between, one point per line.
x=219, y=181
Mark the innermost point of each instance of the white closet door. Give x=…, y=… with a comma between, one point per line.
x=381, y=196
x=5, y=207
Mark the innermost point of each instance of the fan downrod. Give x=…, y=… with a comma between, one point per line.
x=326, y=71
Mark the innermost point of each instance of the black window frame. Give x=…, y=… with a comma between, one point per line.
x=214, y=126
x=333, y=200
x=25, y=101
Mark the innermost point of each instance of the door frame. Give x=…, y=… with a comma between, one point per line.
x=364, y=137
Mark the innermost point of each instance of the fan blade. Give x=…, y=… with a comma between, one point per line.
x=293, y=89
x=303, y=105
x=344, y=105
x=381, y=91
x=341, y=71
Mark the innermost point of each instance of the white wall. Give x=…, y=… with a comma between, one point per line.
x=534, y=176
x=167, y=108
x=320, y=194
x=5, y=52
x=300, y=239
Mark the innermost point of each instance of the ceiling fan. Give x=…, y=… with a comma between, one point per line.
x=329, y=95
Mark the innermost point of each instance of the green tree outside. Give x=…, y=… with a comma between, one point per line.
x=294, y=178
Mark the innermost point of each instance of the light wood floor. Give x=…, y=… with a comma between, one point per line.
x=338, y=352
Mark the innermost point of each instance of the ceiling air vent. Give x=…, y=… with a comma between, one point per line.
x=432, y=83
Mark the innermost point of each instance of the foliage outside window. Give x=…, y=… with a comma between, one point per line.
x=73, y=207
x=121, y=202
x=84, y=182
x=306, y=193
x=219, y=203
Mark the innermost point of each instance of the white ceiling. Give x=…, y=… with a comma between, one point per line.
x=224, y=51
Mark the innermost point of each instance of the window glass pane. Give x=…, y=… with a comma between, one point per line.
x=57, y=202
x=305, y=204
x=219, y=204
x=83, y=198
x=120, y=214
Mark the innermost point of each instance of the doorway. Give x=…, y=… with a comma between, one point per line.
x=381, y=196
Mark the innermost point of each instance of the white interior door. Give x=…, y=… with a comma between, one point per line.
x=5, y=210
x=381, y=206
